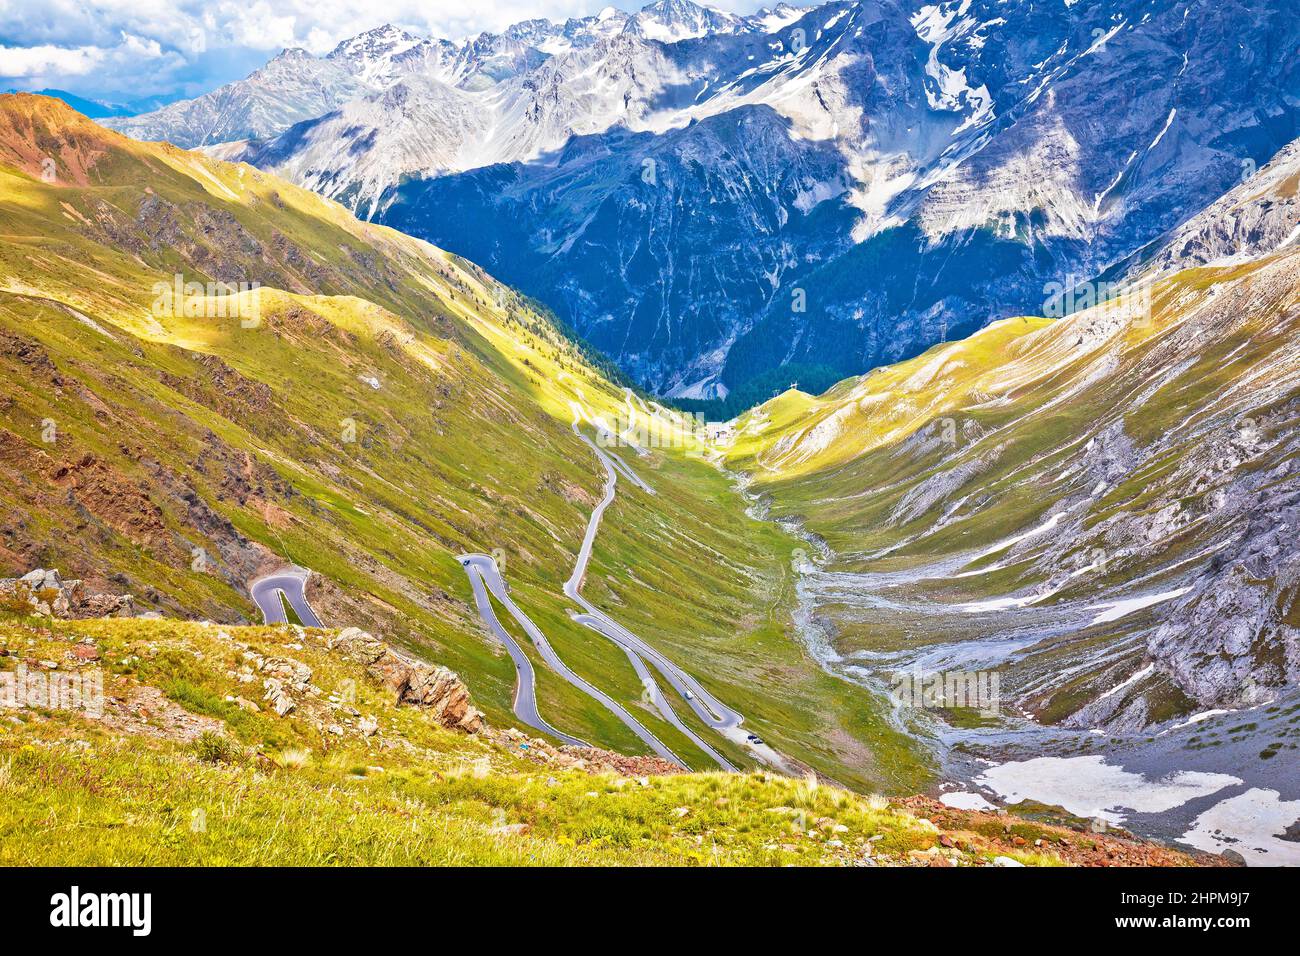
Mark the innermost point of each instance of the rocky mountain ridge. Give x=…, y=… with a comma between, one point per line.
x=942, y=165
x=296, y=86
x=968, y=156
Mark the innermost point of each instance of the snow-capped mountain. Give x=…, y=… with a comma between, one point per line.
x=672, y=20
x=424, y=126
x=292, y=87
x=985, y=149
x=807, y=193
x=418, y=126
x=555, y=38
x=375, y=57
x=604, y=81
x=387, y=55
x=295, y=86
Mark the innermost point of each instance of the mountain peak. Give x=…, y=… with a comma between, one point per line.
x=379, y=41
x=681, y=11
x=382, y=31
x=670, y=20
x=292, y=54
x=670, y=7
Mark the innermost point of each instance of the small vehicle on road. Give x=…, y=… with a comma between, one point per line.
x=688, y=695
x=755, y=739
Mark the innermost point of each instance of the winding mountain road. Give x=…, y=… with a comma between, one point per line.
x=485, y=577
x=708, y=708
x=292, y=583
x=483, y=570
x=660, y=701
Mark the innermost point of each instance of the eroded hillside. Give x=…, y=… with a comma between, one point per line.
x=338, y=396
x=1076, y=500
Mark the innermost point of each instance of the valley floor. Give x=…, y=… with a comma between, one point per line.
x=1081, y=530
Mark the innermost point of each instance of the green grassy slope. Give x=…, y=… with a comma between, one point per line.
x=391, y=407
x=1154, y=450
x=184, y=767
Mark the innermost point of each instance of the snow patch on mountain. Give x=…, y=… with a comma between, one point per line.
x=948, y=89
x=963, y=154
x=371, y=55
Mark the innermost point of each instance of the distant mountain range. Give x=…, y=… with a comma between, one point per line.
x=98, y=109
x=296, y=86
x=724, y=204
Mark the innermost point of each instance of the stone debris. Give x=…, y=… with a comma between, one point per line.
x=278, y=697
x=293, y=674
x=47, y=593
x=427, y=686
x=147, y=711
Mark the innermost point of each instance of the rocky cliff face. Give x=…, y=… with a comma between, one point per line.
x=1259, y=216
x=427, y=686
x=966, y=156
x=661, y=279
x=942, y=164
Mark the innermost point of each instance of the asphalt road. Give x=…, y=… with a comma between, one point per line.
x=483, y=569
x=666, y=709
x=485, y=577
x=708, y=708
x=292, y=583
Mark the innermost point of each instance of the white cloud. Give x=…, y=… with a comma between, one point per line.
x=42, y=60
x=259, y=27
x=138, y=47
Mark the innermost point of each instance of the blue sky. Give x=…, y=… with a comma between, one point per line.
x=126, y=50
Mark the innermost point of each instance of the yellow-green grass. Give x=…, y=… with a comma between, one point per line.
x=283, y=451
x=79, y=791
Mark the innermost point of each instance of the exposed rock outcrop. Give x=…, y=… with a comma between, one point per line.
x=427, y=686
x=45, y=591
x=1256, y=218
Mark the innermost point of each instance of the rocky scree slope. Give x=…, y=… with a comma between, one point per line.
x=1099, y=508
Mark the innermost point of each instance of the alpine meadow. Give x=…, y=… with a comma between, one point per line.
x=855, y=435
